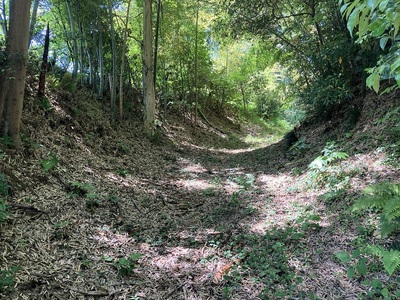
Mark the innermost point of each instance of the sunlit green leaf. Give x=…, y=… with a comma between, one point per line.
x=356, y=253
x=361, y=268
x=383, y=41
x=396, y=24
x=353, y=20
x=373, y=81
x=350, y=272
x=378, y=27
x=391, y=261
x=383, y=5
x=372, y=4
x=343, y=256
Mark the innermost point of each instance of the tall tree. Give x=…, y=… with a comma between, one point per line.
x=121, y=80
x=113, y=76
x=13, y=82
x=3, y=18
x=156, y=41
x=43, y=67
x=74, y=39
x=196, y=63
x=33, y=20
x=148, y=79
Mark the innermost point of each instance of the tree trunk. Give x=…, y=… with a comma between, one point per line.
x=148, y=82
x=33, y=21
x=81, y=51
x=43, y=68
x=74, y=41
x=101, y=59
x=121, y=79
x=196, y=64
x=113, y=78
x=156, y=42
x=3, y=17
x=17, y=48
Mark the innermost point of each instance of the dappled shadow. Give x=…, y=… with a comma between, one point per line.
x=181, y=221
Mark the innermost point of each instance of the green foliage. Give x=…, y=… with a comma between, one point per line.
x=68, y=83
x=125, y=266
x=7, y=279
x=380, y=20
x=323, y=171
x=50, y=163
x=384, y=197
x=246, y=181
x=113, y=198
x=268, y=105
x=390, y=258
x=325, y=93
x=300, y=147
x=268, y=261
x=45, y=103
x=123, y=172
x=358, y=264
x=333, y=196
x=80, y=188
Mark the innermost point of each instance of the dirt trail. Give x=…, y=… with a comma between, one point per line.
x=121, y=217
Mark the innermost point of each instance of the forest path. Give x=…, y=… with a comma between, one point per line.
x=120, y=218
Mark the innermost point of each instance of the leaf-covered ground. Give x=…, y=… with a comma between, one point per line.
x=192, y=213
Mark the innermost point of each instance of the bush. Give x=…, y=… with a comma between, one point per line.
x=326, y=93
x=68, y=83
x=268, y=105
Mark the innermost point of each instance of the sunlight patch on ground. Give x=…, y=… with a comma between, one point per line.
x=128, y=182
x=194, y=184
x=191, y=167
x=105, y=236
x=176, y=260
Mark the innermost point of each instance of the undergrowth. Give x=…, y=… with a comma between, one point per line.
x=265, y=259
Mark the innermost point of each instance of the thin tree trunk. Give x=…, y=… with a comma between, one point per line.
x=33, y=20
x=74, y=41
x=114, y=63
x=121, y=79
x=4, y=19
x=196, y=64
x=81, y=64
x=17, y=46
x=43, y=69
x=148, y=84
x=101, y=59
x=156, y=42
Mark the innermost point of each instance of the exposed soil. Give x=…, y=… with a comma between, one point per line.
x=186, y=201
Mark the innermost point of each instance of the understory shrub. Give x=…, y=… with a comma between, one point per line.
x=323, y=172
x=325, y=93
x=268, y=105
x=384, y=198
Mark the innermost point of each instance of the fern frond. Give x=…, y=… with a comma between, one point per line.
x=375, y=201
x=375, y=250
x=391, y=210
x=391, y=261
x=387, y=228
x=383, y=189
